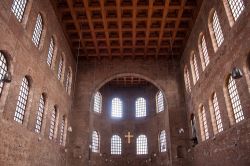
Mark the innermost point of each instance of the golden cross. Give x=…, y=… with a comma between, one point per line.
x=129, y=137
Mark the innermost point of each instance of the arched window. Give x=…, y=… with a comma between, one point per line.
x=140, y=107
x=235, y=100
x=51, y=52
x=187, y=80
x=22, y=101
x=194, y=67
x=53, y=123
x=116, y=108
x=203, y=123
x=62, y=132
x=141, y=145
x=37, y=33
x=219, y=37
x=159, y=102
x=95, y=142
x=203, y=51
x=3, y=70
x=116, y=145
x=98, y=102
x=18, y=8
x=216, y=115
x=60, y=68
x=68, y=81
x=40, y=112
x=163, y=141
x=236, y=7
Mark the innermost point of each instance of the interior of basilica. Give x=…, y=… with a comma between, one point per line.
x=124, y=82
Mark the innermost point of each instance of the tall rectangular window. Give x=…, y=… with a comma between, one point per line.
x=204, y=126
x=60, y=68
x=22, y=101
x=40, y=112
x=235, y=100
x=37, y=33
x=18, y=8
x=53, y=124
x=50, y=52
x=217, y=113
x=236, y=6
x=116, y=145
x=217, y=30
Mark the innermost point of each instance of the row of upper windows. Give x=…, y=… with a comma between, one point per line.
x=116, y=143
x=235, y=110
x=140, y=105
x=236, y=7
x=18, y=9
x=22, y=103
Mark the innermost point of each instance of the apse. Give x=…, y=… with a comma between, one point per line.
x=128, y=123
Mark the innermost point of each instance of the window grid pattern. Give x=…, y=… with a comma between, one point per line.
x=159, y=102
x=163, y=142
x=116, y=108
x=116, y=145
x=62, y=131
x=204, y=123
x=98, y=102
x=141, y=145
x=22, y=101
x=235, y=100
x=140, y=107
x=38, y=30
x=52, y=124
x=18, y=8
x=236, y=6
x=217, y=30
x=50, y=52
x=68, y=81
x=95, y=142
x=217, y=113
x=3, y=70
x=187, y=80
x=195, y=66
x=39, y=117
x=60, y=67
x=204, y=51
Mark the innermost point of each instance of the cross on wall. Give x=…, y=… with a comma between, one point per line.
x=129, y=136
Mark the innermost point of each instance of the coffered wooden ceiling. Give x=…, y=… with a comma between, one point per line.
x=127, y=28
x=128, y=81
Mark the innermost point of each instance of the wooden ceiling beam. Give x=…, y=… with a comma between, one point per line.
x=165, y=11
x=149, y=20
x=64, y=9
x=91, y=26
x=134, y=25
x=76, y=23
x=119, y=16
x=105, y=26
x=180, y=12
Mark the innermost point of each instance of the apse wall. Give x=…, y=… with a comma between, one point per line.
x=151, y=125
x=20, y=144
x=92, y=75
x=230, y=146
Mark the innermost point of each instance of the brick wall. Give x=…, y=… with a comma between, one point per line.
x=20, y=145
x=231, y=146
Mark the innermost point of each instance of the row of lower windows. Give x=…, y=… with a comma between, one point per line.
x=116, y=143
x=117, y=105
x=21, y=109
x=22, y=103
x=233, y=8
x=235, y=113
x=18, y=9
